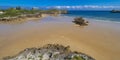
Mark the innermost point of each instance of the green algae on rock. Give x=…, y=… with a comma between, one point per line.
x=49, y=52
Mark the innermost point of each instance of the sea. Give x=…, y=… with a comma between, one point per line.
x=106, y=16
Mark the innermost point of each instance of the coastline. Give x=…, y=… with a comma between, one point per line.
x=91, y=19
x=99, y=39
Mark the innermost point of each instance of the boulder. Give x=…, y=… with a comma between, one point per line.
x=80, y=21
x=49, y=52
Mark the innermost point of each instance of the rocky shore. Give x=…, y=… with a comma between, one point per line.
x=50, y=52
x=20, y=17
x=19, y=13
x=27, y=16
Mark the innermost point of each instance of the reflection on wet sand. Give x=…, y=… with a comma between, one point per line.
x=99, y=39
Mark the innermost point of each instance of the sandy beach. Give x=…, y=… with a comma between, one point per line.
x=100, y=40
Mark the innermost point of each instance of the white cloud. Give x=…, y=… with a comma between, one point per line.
x=81, y=7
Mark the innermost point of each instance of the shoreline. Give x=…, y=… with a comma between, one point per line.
x=22, y=20
x=99, y=39
x=90, y=19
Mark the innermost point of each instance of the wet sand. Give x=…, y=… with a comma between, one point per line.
x=101, y=40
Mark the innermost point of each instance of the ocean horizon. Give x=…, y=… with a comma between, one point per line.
x=97, y=15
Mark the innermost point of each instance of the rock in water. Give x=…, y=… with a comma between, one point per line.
x=49, y=52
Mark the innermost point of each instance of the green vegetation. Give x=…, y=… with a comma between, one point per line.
x=16, y=11
x=40, y=56
x=77, y=58
x=50, y=52
x=11, y=12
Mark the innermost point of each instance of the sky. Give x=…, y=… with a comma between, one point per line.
x=91, y=4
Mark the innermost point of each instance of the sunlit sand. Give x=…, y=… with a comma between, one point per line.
x=100, y=40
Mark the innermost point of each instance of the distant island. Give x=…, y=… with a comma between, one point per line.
x=115, y=11
x=50, y=52
x=19, y=13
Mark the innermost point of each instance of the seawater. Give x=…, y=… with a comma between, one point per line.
x=95, y=15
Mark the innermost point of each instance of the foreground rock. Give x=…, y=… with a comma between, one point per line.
x=49, y=52
x=80, y=21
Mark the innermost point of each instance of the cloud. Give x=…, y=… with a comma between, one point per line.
x=82, y=7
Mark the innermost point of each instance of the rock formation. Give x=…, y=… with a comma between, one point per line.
x=80, y=21
x=49, y=52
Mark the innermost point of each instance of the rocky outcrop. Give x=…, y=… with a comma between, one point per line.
x=23, y=16
x=80, y=21
x=1, y=12
x=49, y=52
x=63, y=12
x=115, y=11
x=18, y=13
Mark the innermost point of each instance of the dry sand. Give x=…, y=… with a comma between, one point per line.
x=101, y=40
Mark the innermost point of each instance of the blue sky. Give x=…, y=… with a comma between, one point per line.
x=89, y=3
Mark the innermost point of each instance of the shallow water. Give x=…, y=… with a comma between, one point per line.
x=96, y=15
x=99, y=39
